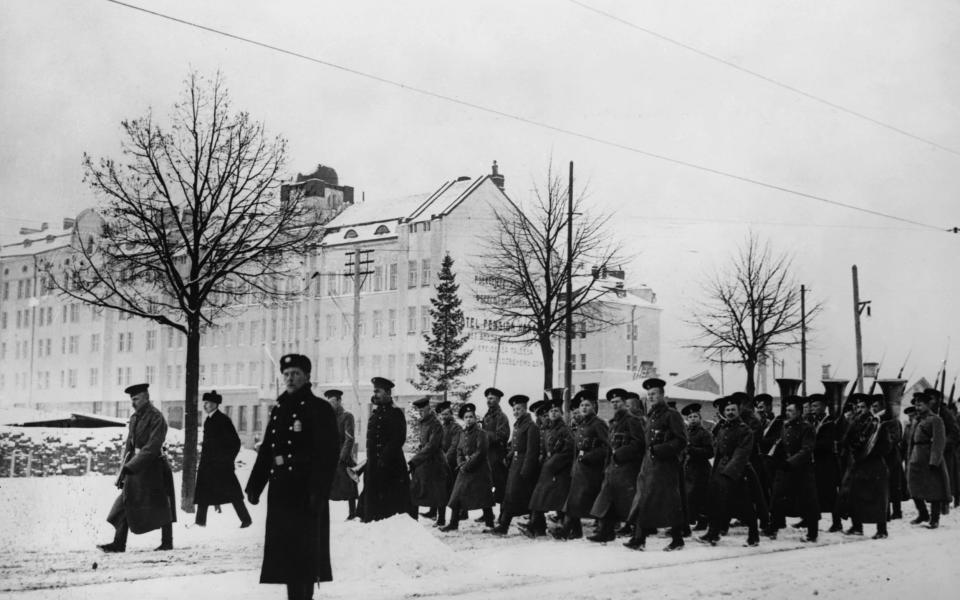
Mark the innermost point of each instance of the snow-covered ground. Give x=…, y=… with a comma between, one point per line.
x=50, y=527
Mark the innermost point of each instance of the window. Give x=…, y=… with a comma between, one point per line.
x=3, y=320
x=151, y=339
x=240, y=332
x=424, y=318
x=316, y=326
x=253, y=332
x=169, y=383
x=228, y=410
x=629, y=362
x=63, y=345
x=64, y=313
x=411, y=319
x=392, y=322
x=240, y=374
x=74, y=313
x=255, y=410
x=331, y=327
x=411, y=365
x=583, y=362
x=227, y=374
x=332, y=285
x=175, y=416
x=344, y=326
x=203, y=373
x=377, y=365
x=412, y=274
x=273, y=329
x=19, y=320
x=6, y=290
x=382, y=230
x=72, y=378
x=392, y=277
x=252, y=373
x=378, y=278
x=150, y=374
x=119, y=375
x=377, y=323
x=170, y=331
x=344, y=368
x=179, y=375
x=391, y=366
x=362, y=367
x=74, y=344
x=228, y=334
x=350, y=234
x=242, y=418
x=49, y=315
x=425, y=272
x=362, y=324
x=214, y=368
x=583, y=329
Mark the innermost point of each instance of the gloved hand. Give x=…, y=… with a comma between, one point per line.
x=253, y=499
x=934, y=468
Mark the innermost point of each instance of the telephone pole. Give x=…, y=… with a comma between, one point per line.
x=357, y=261
x=803, y=339
x=858, y=307
x=568, y=345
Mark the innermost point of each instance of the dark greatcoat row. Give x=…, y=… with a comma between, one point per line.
x=297, y=458
x=147, y=499
x=524, y=459
x=344, y=487
x=386, y=480
x=216, y=481
x=895, y=471
x=770, y=433
x=556, y=459
x=951, y=447
x=627, y=446
x=428, y=475
x=795, y=481
x=730, y=477
x=591, y=445
x=863, y=493
x=927, y=476
x=448, y=445
x=696, y=471
x=497, y=427
x=826, y=461
x=473, y=488
x=657, y=501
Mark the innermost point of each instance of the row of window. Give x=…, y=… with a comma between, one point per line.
x=383, y=277
x=175, y=417
x=71, y=314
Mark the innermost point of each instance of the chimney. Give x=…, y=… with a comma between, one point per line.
x=496, y=177
x=44, y=226
x=67, y=223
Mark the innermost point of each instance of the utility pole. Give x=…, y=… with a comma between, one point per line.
x=858, y=307
x=357, y=260
x=721, y=372
x=803, y=339
x=568, y=346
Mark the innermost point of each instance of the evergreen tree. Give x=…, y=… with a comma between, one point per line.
x=443, y=364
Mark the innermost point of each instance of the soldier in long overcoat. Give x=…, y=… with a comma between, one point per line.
x=794, y=483
x=591, y=443
x=216, y=481
x=759, y=488
x=729, y=485
x=951, y=432
x=147, y=500
x=658, y=502
x=473, y=488
x=497, y=426
x=771, y=426
x=344, y=486
x=696, y=466
x=428, y=468
x=627, y=446
x=863, y=494
x=448, y=444
x=927, y=476
x=556, y=457
x=524, y=459
x=297, y=458
x=386, y=478
x=826, y=459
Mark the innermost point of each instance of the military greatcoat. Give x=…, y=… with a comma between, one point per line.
x=927, y=476
x=826, y=460
x=556, y=457
x=216, y=481
x=730, y=477
x=344, y=487
x=449, y=443
x=591, y=442
x=524, y=461
x=473, y=488
x=795, y=481
x=386, y=480
x=696, y=470
x=627, y=446
x=428, y=475
x=497, y=427
x=863, y=493
x=657, y=502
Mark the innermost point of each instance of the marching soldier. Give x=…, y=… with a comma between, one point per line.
x=451, y=439
x=297, y=458
x=794, y=483
x=771, y=426
x=627, y=446
x=863, y=494
x=497, y=426
x=147, y=500
x=216, y=481
x=826, y=459
x=927, y=476
x=696, y=466
x=344, y=486
x=590, y=443
x=473, y=488
x=951, y=430
x=636, y=407
x=894, y=460
x=556, y=458
x=759, y=488
x=524, y=465
x=428, y=477
x=730, y=476
x=386, y=480
x=657, y=502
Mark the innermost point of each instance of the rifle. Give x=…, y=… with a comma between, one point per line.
x=873, y=385
x=953, y=388
x=904, y=365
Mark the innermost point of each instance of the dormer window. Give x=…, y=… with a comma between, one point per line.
x=382, y=230
x=350, y=234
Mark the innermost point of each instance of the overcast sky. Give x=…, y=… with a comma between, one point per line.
x=72, y=69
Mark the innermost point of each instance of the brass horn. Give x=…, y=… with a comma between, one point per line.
x=833, y=389
x=893, y=394
x=788, y=387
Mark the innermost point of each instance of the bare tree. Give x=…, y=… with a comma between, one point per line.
x=190, y=227
x=523, y=270
x=750, y=309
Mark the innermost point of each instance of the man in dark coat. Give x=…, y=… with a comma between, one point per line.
x=344, y=487
x=771, y=426
x=553, y=483
x=863, y=494
x=826, y=459
x=794, y=482
x=927, y=477
x=627, y=445
x=298, y=457
x=729, y=486
x=657, y=502
x=497, y=426
x=758, y=487
x=591, y=443
x=696, y=466
x=524, y=461
x=448, y=445
x=473, y=488
x=428, y=469
x=147, y=500
x=951, y=432
x=216, y=481
x=386, y=479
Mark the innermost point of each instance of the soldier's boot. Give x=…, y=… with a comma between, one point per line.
x=627, y=529
x=895, y=511
x=676, y=542
x=753, y=536
x=934, y=515
x=441, y=517
x=835, y=524
x=536, y=527
x=881, y=533
x=119, y=543
x=813, y=530
x=166, y=538
x=487, y=518
x=922, y=515
x=605, y=532
x=201, y=520
x=712, y=536
x=945, y=508
x=638, y=541
x=243, y=513
x=701, y=525
x=430, y=514
x=856, y=528
x=454, y=521
x=576, y=530
x=801, y=524
x=351, y=509
x=502, y=527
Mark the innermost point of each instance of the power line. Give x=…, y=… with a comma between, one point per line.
x=766, y=78
x=541, y=124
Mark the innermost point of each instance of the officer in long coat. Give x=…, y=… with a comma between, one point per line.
x=927, y=476
x=344, y=486
x=627, y=446
x=951, y=432
x=147, y=500
x=428, y=469
x=658, y=502
x=729, y=485
x=591, y=444
x=448, y=445
x=863, y=494
x=794, y=482
x=771, y=426
x=297, y=458
x=556, y=458
x=473, y=488
x=696, y=466
x=386, y=478
x=826, y=459
x=524, y=461
x=216, y=481
x=497, y=426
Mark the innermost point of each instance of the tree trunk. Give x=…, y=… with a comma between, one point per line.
x=751, y=367
x=546, y=351
x=190, y=423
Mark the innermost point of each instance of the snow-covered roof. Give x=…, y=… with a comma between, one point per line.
x=36, y=243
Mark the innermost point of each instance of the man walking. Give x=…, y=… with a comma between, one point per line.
x=497, y=426
x=428, y=478
x=591, y=444
x=216, y=481
x=524, y=465
x=344, y=487
x=696, y=466
x=553, y=483
x=386, y=479
x=473, y=488
x=794, y=480
x=927, y=477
